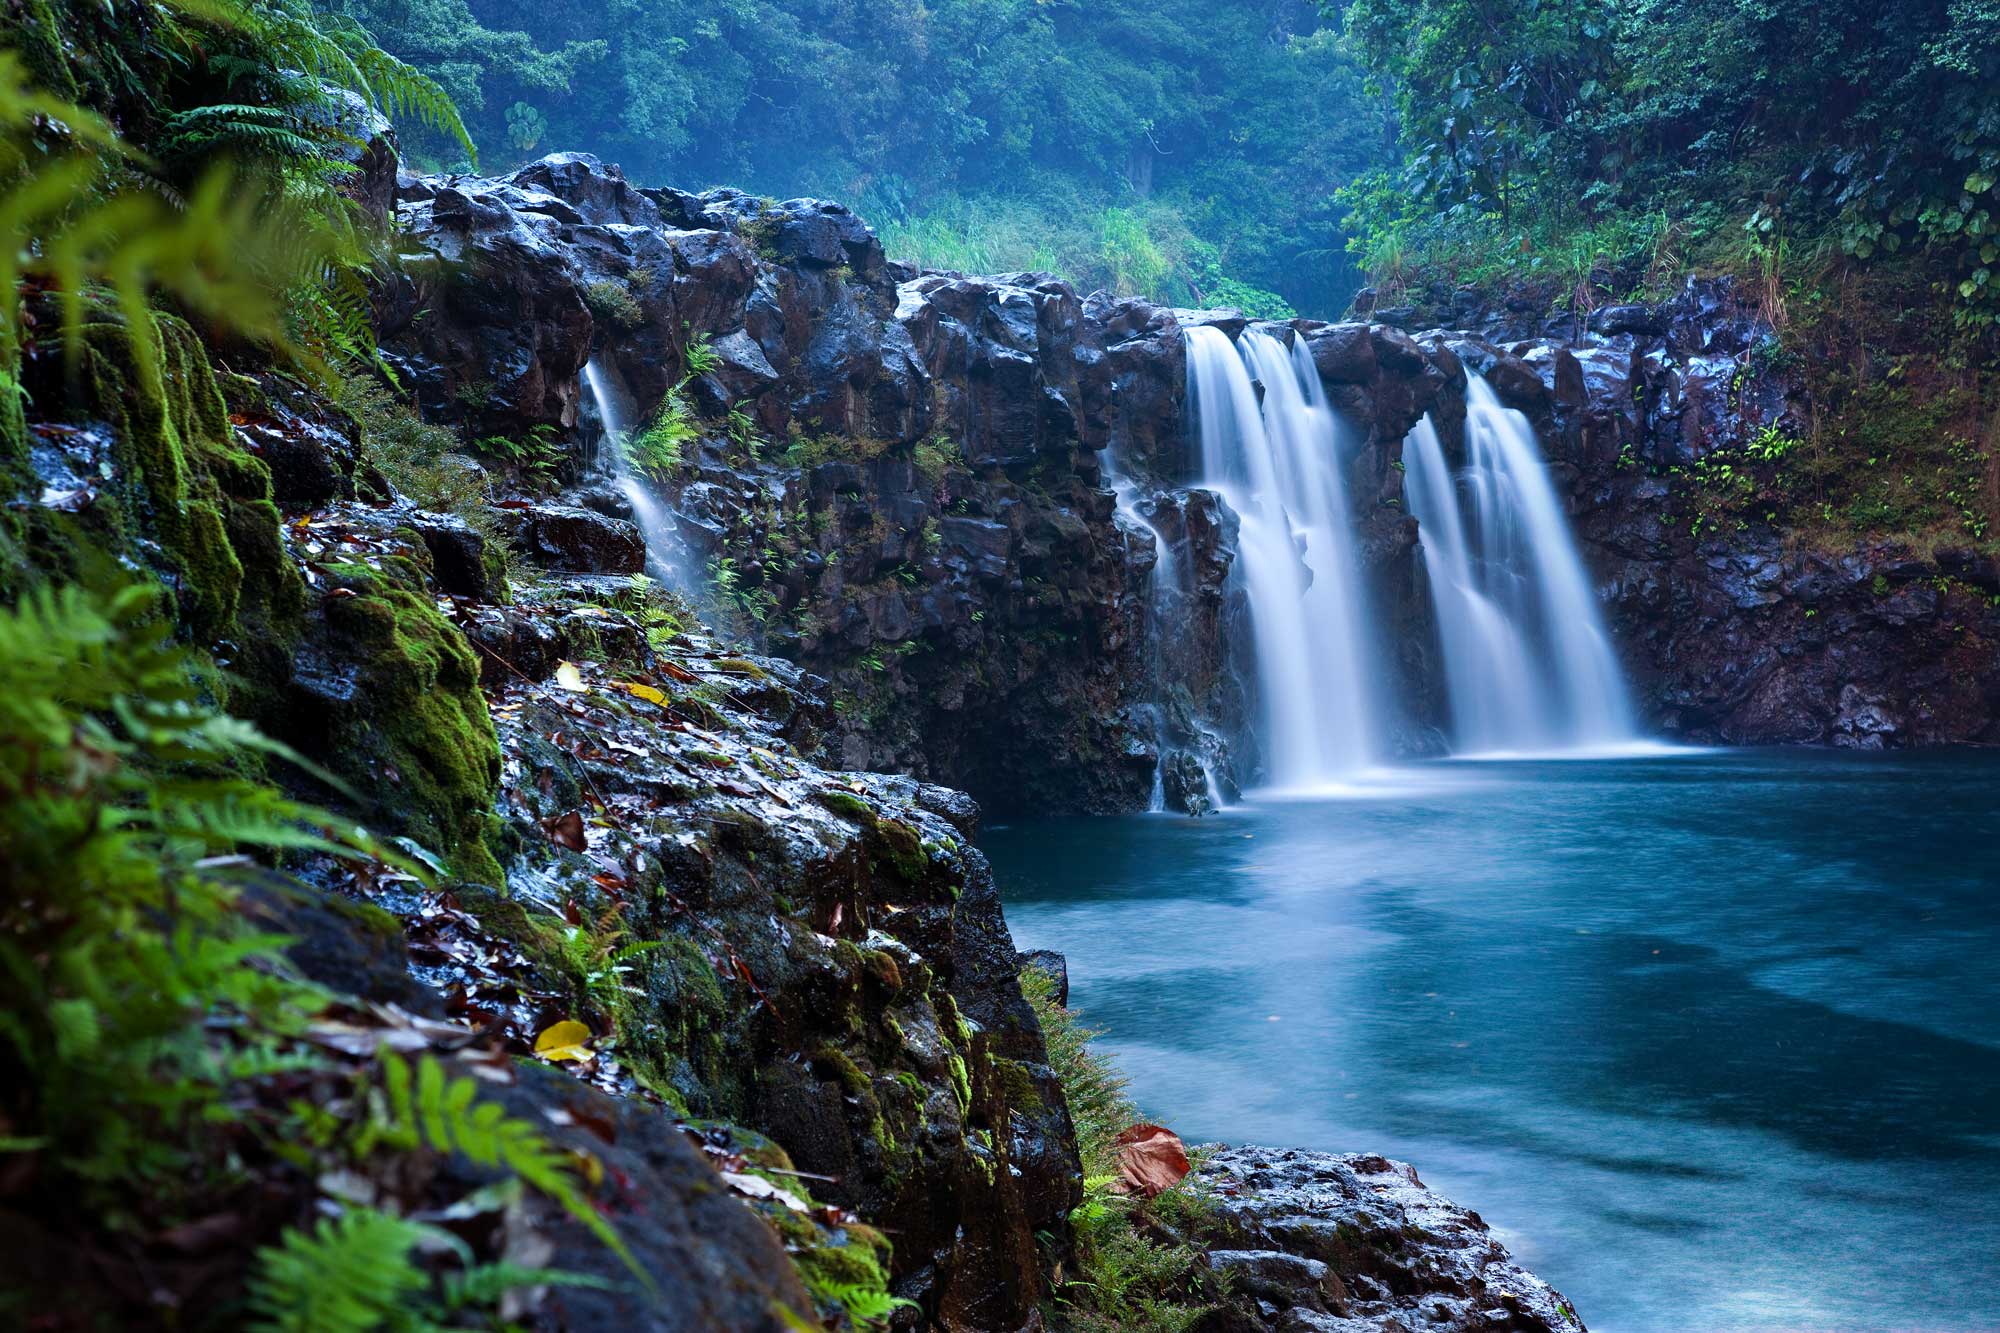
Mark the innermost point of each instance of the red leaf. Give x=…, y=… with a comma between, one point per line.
x=1151, y=1160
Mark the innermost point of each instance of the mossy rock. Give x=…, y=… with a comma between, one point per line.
x=183, y=500
x=410, y=724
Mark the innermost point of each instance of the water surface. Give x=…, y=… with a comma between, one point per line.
x=1712, y=1040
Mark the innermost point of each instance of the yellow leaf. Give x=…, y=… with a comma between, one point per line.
x=646, y=692
x=569, y=677
x=564, y=1041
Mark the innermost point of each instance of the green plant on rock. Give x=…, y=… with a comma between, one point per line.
x=539, y=456
x=123, y=807
x=614, y=303
x=1132, y=1272
x=656, y=451
x=137, y=1009
x=934, y=456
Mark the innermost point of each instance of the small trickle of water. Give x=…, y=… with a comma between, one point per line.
x=1164, y=583
x=1279, y=465
x=1528, y=664
x=656, y=525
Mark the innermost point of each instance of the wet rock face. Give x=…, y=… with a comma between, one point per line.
x=575, y=539
x=1738, y=633
x=912, y=499
x=911, y=496
x=837, y=972
x=1347, y=1243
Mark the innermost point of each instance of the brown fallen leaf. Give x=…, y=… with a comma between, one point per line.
x=566, y=830
x=1151, y=1160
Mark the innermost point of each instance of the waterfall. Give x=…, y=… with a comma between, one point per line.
x=1528, y=664
x=1279, y=465
x=655, y=524
x=1160, y=584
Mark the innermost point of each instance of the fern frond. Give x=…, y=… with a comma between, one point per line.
x=447, y=1115
x=489, y=1283
x=352, y=1274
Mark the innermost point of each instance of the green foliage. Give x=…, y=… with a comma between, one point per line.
x=539, y=457
x=117, y=788
x=1526, y=125
x=422, y=461
x=614, y=303
x=1092, y=1085
x=360, y=1271
x=351, y=1274
x=73, y=218
x=1132, y=1273
x=1100, y=141
x=656, y=450
x=935, y=456
x=446, y=1115
x=228, y=200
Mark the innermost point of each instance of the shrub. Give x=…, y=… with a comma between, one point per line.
x=614, y=304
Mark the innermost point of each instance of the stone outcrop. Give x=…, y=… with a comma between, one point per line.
x=1350, y=1243
x=904, y=482
x=1732, y=629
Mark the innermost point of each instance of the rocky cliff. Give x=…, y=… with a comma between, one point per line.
x=905, y=481
x=808, y=1084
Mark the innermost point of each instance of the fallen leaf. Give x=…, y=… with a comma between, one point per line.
x=1151, y=1160
x=756, y=1187
x=567, y=831
x=567, y=1040
x=646, y=692
x=569, y=677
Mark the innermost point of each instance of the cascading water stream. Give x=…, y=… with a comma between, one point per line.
x=1528, y=664
x=1278, y=463
x=655, y=525
x=1164, y=581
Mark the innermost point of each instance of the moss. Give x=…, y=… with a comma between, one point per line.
x=848, y=806
x=741, y=666
x=899, y=845
x=961, y=1080
x=881, y=965
x=183, y=469
x=829, y=1058
x=429, y=743
x=613, y=303
x=688, y=1014
x=952, y=1023
x=1018, y=1084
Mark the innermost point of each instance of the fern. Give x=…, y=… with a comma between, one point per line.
x=487, y=1284
x=244, y=131
x=116, y=786
x=350, y=1274
x=863, y=1304
x=359, y=1272
x=337, y=49
x=446, y=1116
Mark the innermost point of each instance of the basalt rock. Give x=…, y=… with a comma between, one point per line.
x=579, y=540
x=1734, y=631
x=1310, y=1242
x=1348, y=1243
x=903, y=482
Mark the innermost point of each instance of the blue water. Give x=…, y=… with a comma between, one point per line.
x=1712, y=1041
